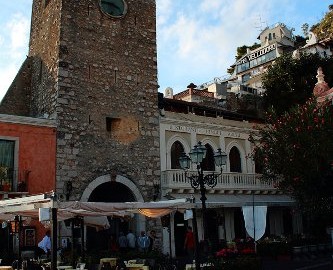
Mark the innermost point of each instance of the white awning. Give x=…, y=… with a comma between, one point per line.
x=29, y=206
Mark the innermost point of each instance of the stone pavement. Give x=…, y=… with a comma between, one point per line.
x=324, y=263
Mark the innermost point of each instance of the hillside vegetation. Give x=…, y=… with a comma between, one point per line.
x=324, y=29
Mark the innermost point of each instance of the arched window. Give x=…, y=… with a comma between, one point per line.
x=176, y=150
x=208, y=163
x=235, y=160
x=258, y=166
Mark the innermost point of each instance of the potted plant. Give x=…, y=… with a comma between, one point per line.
x=6, y=185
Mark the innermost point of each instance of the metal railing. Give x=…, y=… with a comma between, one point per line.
x=12, y=180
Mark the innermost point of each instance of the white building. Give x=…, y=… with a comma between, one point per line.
x=182, y=125
x=249, y=69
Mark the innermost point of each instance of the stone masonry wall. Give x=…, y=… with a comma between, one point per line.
x=103, y=92
x=44, y=50
x=16, y=100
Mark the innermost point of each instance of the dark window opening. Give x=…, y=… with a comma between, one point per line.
x=235, y=160
x=176, y=150
x=112, y=124
x=207, y=163
x=258, y=167
x=7, y=152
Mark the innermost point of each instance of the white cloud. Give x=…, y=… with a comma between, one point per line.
x=164, y=9
x=6, y=77
x=18, y=28
x=199, y=43
x=14, y=38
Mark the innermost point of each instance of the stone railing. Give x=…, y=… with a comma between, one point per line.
x=227, y=182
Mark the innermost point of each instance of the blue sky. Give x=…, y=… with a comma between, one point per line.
x=196, y=39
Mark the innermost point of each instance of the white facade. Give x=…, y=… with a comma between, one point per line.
x=235, y=187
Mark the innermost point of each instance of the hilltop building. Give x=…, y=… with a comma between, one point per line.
x=249, y=69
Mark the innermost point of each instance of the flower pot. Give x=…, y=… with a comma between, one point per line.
x=6, y=187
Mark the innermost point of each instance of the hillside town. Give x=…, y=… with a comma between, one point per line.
x=100, y=170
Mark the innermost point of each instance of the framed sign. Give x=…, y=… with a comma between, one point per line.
x=29, y=237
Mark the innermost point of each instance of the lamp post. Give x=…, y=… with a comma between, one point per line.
x=199, y=180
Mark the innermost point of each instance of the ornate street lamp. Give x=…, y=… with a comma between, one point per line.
x=199, y=180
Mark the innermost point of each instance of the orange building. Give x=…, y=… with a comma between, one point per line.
x=27, y=159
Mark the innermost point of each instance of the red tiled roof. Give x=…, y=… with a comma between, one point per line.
x=195, y=92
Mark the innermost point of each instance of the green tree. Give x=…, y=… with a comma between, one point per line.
x=305, y=29
x=297, y=149
x=324, y=29
x=290, y=81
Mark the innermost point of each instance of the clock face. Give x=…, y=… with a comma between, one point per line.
x=114, y=8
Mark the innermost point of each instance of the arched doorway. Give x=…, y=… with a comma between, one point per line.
x=110, y=191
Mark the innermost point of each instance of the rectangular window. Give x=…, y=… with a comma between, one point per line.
x=112, y=124
x=7, y=152
x=108, y=124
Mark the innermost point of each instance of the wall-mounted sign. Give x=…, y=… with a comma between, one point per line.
x=257, y=54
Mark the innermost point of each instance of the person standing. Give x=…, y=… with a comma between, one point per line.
x=152, y=237
x=113, y=245
x=131, y=240
x=122, y=241
x=189, y=243
x=143, y=242
x=44, y=246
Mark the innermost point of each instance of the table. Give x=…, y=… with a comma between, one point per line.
x=5, y=267
x=64, y=267
x=192, y=266
x=137, y=266
x=111, y=261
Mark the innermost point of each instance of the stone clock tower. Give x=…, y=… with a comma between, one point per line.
x=94, y=69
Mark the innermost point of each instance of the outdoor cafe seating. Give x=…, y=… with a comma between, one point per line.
x=111, y=263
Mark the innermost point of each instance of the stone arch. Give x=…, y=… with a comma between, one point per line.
x=241, y=152
x=141, y=221
x=211, y=143
x=107, y=178
x=170, y=142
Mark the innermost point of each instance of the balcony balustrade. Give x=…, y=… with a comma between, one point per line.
x=227, y=183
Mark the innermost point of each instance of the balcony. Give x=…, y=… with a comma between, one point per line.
x=13, y=182
x=227, y=183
